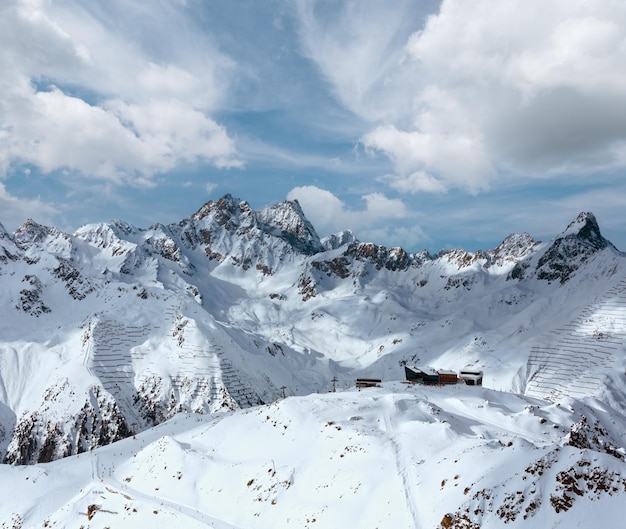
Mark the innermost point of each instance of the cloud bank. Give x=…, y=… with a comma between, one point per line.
x=108, y=90
x=522, y=88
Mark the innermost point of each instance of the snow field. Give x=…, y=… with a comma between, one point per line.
x=394, y=457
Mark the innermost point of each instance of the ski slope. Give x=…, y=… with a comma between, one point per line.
x=396, y=457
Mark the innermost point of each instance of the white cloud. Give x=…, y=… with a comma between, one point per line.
x=541, y=84
x=411, y=238
x=423, y=155
x=15, y=211
x=171, y=131
x=414, y=182
x=81, y=91
x=33, y=43
x=358, y=47
x=331, y=215
x=526, y=87
x=52, y=130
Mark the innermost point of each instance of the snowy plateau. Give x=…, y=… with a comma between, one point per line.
x=202, y=374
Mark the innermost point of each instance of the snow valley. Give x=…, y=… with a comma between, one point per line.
x=180, y=375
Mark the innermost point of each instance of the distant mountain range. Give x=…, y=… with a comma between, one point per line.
x=113, y=329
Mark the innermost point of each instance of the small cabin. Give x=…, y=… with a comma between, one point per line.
x=447, y=377
x=472, y=377
x=368, y=382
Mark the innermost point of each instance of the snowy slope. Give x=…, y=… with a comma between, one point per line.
x=396, y=457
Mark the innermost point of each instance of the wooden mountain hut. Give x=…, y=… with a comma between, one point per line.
x=368, y=382
x=447, y=377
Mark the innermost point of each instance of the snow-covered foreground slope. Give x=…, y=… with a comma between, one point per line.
x=396, y=457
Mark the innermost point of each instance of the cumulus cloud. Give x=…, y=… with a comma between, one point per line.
x=417, y=155
x=80, y=92
x=330, y=215
x=15, y=210
x=542, y=84
x=524, y=87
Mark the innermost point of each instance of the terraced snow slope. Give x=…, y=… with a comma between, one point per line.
x=577, y=357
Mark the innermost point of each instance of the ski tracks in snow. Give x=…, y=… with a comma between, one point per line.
x=536, y=440
x=159, y=502
x=402, y=464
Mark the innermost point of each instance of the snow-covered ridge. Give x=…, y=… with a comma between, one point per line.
x=176, y=344
x=232, y=307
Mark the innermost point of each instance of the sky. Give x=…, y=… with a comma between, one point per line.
x=416, y=123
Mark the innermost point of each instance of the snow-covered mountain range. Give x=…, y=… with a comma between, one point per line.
x=113, y=330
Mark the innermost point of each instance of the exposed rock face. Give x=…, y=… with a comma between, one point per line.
x=582, y=478
x=586, y=231
x=77, y=286
x=572, y=248
x=287, y=221
x=595, y=437
x=462, y=258
x=357, y=257
x=32, y=237
x=251, y=239
x=222, y=211
x=338, y=266
x=40, y=440
x=513, y=249
x=30, y=298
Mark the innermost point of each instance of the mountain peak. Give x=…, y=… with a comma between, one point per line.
x=122, y=227
x=32, y=232
x=336, y=240
x=514, y=248
x=223, y=211
x=288, y=218
x=585, y=228
x=574, y=246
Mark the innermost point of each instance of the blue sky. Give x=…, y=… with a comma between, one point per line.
x=415, y=123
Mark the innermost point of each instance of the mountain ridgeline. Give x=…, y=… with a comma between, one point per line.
x=114, y=329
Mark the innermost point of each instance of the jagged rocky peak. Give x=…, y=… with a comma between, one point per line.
x=284, y=220
x=462, y=258
x=514, y=248
x=288, y=218
x=586, y=230
x=121, y=227
x=5, y=254
x=336, y=240
x=394, y=259
x=32, y=233
x=224, y=211
x=105, y=235
x=574, y=246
